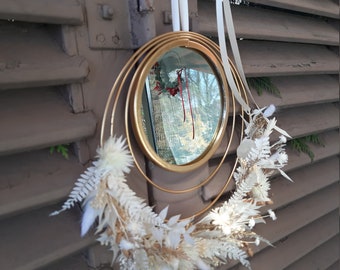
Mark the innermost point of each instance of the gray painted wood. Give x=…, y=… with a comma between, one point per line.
x=307, y=180
x=293, y=240
x=77, y=261
x=301, y=121
x=300, y=91
x=43, y=239
x=42, y=11
x=334, y=266
x=31, y=57
x=39, y=119
x=322, y=257
x=35, y=179
x=265, y=24
x=298, y=244
x=327, y=8
x=264, y=58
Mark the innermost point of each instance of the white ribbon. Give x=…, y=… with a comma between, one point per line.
x=224, y=54
x=184, y=11
x=180, y=15
x=233, y=42
x=175, y=15
x=223, y=48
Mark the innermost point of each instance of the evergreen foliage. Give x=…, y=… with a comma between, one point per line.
x=261, y=84
x=302, y=144
x=61, y=149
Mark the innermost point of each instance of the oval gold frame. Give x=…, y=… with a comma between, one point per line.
x=199, y=45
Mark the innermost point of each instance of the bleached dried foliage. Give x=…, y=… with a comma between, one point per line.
x=141, y=239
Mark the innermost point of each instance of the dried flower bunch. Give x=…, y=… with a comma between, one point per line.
x=142, y=239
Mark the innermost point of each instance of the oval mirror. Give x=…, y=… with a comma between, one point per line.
x=179, y=107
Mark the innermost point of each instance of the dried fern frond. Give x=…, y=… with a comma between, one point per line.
x=113, y=158
x=82, y=188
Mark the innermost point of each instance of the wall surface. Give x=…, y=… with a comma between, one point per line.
x=58, y=62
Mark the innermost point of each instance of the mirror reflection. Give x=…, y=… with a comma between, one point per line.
x=182, y=105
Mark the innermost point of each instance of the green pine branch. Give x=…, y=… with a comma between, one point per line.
x=61, y=149
x=261, y=84
x=302, y=144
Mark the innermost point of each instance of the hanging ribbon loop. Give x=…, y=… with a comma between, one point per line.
x=175, y=15
x=224, y=54
x=180, y=15
x=184, y=14
x=223, y=6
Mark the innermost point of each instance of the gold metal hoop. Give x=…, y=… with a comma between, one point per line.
x=118, y=88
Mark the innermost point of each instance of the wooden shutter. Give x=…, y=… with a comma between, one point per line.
x=56, y=70
x=58, y=62
x=40, y=106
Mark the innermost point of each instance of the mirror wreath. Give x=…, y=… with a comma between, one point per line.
x=121, y=82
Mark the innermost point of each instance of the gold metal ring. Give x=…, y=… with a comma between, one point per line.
x=192, y=40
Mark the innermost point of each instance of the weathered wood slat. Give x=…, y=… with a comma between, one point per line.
x=307, y=180
x=301, y=121
x=38, y=119
x=42, y=11
x=305, y=217
x=30, y=57
x=296, y=160
x=327, y=8
x=35, y=179
x=193, y=203
x=322, y=257
x=305, y=211
x=299, y=243
x=331, y=148
x=266, y=58
x=265, y=24
x=301, y=90
x=210, y=190
x=335, y=266
x=42, y=239
x=296, y=91
x=71, y=70
x=74, y=262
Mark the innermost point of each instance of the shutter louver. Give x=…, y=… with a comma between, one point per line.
x=43, y=11
x=326, y=8
x=35, y=75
